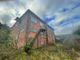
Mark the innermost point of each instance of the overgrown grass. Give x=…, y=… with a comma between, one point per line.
x=51, y=52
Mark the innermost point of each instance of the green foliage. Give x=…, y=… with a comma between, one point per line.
x=77, y=31
x=5, y=43
x=4, y=35
x=28, y=46
x=52, y=52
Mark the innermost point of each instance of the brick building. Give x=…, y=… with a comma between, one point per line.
x=30, y=28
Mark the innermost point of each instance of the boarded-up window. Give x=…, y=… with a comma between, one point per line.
x=32, y=34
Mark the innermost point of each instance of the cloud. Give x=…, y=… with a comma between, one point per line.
x=65, y=14
x=54, y=11
x=10, y=10
x=70, y=20
x=68, y=29
x=11, y=23
x=4, y=0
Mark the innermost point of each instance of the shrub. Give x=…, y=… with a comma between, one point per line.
x=28, y=46
x=73, y=41
x=5, y=42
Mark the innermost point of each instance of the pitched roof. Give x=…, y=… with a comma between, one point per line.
x=29, y=11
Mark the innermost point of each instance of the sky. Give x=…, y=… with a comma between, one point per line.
x=62, y=15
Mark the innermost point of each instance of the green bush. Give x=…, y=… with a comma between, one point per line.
x=77, y=31
x=28, y=46
x=5, y=42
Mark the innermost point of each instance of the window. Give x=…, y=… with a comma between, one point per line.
x=33, y=19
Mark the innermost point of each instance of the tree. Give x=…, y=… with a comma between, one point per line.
x=5, y=40
x=73, y=40
x=77, y=31
x=4, y=33
x=0, y=25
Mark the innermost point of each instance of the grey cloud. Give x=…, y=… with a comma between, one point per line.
x=5, y=0
x=11, y=9
x=40, y=7
x=5, y=18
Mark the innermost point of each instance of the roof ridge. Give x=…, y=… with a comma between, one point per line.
x=29, y=11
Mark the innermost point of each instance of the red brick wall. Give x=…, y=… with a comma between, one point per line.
x=36, y=26
x=51, y=38
x=13, y=35
x=40, y=41
x=21, y=39
x=13, y=31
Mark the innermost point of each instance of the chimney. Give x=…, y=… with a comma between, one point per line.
x=18, y=19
